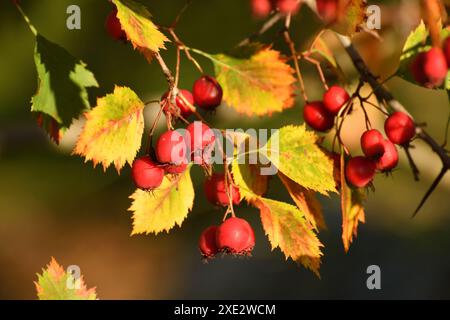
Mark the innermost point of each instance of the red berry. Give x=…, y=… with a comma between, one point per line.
x=334, y=99
x=430, y=68
x=171, y=148
x=446, y=48
x=207, y=93
x=146, y=174
x=360, y=171
x=216, y=191
x=261, y=8
x=185, y=111
x=328, y=10
x=235, y=236
x=175, y=169
x=317, y=117
x=288, y=6
x=372, y=143
x=114, y=27
x=200, y=139
x=207, y=242
x=400, y=128
x=389, y=159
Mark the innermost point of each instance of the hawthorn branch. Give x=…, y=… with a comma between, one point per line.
x=384, y=95
x=264, y=28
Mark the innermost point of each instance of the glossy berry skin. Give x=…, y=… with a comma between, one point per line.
x=235, y=236
x=372, y=143
x=216, y=191
x=359, y=171
x=328, y=10
x=334, y=99
x=185, y=111
x=146, y=173
x=261, y=8
x=207, y=242
x=400, y=128
x=207, y=93
x=199, y=136
x=317, y=117
x=171, y=148
x=389, y=159
x=114, y=27
x=430, y=68
x=446, y=48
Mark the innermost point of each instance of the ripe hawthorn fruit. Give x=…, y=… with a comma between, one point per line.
x=207, y=93
x=146, y=173
x=360, y=171
x=114, y=27
x=207, y=243
x=430, y=68
x=261, y=8
x=400, y=128
x=235, y=236
x=372, y=143
x=287, y=6
x=334, y=99
x=171, y=148
x=216, y=190
x=389, y=159
x=200, y=141
x=446, y=48
x=317, y=116
x=175, y=169
x=185, y=111
x=328, y=10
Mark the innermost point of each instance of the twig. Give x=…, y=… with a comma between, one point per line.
x=264, y=28
x=384, y=95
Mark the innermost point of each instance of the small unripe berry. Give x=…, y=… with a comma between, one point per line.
x=400, y=128
x=185, y=111
x=430, y=68
x=360, y=171
x=235, y=236
x=261, y=8
x=317, y=117
x=207, y=93
x=446, y=48
x=146, y=173
x=207, y=242
x=372, y=143
x=216, y=190
x=334, y=99
x=328, y=10
x=171, y=148
x=114, y=27
x=389, y=159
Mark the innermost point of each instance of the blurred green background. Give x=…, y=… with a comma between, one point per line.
x=52, y=204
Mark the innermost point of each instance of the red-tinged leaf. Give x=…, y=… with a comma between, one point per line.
x=56, y=284
x=306, y=201
x=140, y=30
x=352, y=209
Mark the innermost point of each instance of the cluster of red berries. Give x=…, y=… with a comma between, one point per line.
x=234, y=236
x=320, y=115
x=174, y=150
x=262, y=8
x=430, y=68
x=380, y=153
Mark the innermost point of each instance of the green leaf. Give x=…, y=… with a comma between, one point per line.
x=140, y=30
x=352, y=17
x=161, y=209
x=256, y=82
x=56, y=284
x=62, y=87
x=418, y=41
x=249, y=180
x=113, y=130
x=294, y=151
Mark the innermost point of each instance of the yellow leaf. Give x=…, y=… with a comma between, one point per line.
x=260, y=84
x=140, y=30
x=161, y=209
x=55, y=284
x=250, y=182
x=113, y=130
x=287, y=228
x=306, y=201
x=352, y=209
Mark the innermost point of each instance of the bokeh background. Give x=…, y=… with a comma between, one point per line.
x=52, y=204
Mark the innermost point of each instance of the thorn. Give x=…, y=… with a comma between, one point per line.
x=430, y=191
